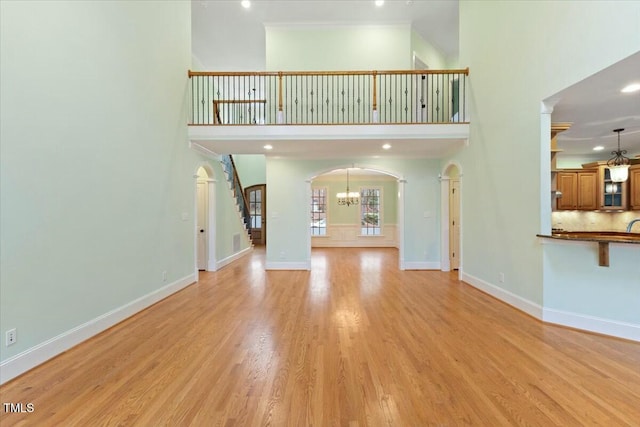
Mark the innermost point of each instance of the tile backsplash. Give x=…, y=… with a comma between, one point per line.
x=594, y=221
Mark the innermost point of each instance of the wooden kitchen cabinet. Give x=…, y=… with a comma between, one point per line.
x=634, y=187
x=556, y=128
x=612, y=195
x=578, y=188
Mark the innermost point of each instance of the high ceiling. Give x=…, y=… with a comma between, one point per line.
x=224, y=22
x=596, y=107
x=229, y=37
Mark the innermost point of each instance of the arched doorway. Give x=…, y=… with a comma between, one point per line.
x=347, y=232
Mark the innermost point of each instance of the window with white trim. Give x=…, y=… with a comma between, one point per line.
x=370, y=214
x=319, y=211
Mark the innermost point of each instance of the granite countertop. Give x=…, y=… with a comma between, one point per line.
x=595, y=236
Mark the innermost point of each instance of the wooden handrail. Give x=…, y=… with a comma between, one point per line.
x=278, y=91
x=464, y=71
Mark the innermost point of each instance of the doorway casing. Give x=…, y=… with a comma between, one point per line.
x=210, y=210
x=452, y=170
x=374, y=168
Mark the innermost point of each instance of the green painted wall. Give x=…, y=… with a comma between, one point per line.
x=338, y=47
x=520, y=53
x=96, y=173
x=427, y=53
x=252, y=169
x=288, y=205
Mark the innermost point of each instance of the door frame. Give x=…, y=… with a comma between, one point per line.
x=445, y=178
x=454, y=183
x=210, y=214
x=202, y=228
x=400, y=207
x=247, y=190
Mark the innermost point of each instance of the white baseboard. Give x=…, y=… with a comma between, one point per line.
x=522, y=304
x=420, y=265
x=583, y=322
x=270, y=265
x=598, y=325
x=34, y=356
x=228, y=260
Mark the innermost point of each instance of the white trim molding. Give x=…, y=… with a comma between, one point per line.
x=271, y=265
x=579, y=321
x=348, y=236
x=598, y=325
x=228, y=260
x=522, y=304
x=34, y=356
x=420, y=265
x=204, y=151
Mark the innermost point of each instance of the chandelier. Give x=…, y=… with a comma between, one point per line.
x=619, y=164
x=348, y=197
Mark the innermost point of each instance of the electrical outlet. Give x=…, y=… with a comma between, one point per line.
x=501, y=277
x=164, y=276
x=11, y=337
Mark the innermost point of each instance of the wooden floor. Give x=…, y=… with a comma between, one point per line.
x=353, y=342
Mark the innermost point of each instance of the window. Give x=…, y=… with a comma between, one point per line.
x=255, y=208
x=370, y=211
x=318, y=211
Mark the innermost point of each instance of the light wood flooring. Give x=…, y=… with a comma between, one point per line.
x=354, y=342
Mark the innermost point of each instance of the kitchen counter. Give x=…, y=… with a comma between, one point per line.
x=595, y=236
x=603, y=238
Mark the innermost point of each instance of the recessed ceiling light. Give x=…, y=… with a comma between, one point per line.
x=268, y=147
x=633, y=87
x=246, y=4
x=379, y=2
x=386, y=146
x=598, y=148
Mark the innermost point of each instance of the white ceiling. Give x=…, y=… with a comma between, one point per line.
x=330, y=142
x=220, y=23
x=596, y=107
x=227, y=37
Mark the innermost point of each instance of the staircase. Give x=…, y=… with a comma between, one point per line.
x=233, y=179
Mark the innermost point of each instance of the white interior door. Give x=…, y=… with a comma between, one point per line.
x=202, y=229
x=454, y=226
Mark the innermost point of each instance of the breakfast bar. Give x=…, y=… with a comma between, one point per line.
x=603, y=238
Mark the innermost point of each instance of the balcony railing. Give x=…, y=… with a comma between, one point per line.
x=328, y=97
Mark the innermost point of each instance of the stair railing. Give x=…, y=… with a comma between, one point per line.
x=238, y=190
x=328, y=97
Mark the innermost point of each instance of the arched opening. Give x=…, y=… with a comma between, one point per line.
x=376, y=220
x=205, y=219
x=451, y=226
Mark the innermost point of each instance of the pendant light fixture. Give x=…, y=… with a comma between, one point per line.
x=619, y=164
x=348, y=198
